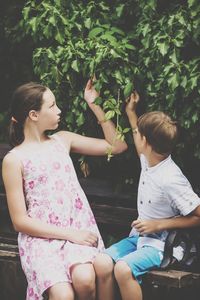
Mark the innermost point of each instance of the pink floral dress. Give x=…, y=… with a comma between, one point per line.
x=53, y=195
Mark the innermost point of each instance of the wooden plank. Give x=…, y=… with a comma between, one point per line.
x=171, y=278
x=3, y=201
x=103, y=190
x=107, y=214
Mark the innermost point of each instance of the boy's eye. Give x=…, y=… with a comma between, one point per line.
x=52, y=105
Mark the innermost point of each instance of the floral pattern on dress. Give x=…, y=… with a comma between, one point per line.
x=53, y=195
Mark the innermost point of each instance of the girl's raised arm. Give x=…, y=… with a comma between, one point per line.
x=92, y=146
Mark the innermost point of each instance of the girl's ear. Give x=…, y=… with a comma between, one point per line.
x=33, y=115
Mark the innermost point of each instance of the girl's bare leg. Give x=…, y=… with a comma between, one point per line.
x=83, y=279
x=61, y=291
x=106, y=285
x=129, y=287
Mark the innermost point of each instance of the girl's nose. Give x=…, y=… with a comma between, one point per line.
x=59, y=111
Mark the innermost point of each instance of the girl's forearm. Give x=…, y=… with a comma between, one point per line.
x=108, y=128
x=38, y=228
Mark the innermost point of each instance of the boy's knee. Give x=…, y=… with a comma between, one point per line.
x=103, y=265
x=122, y=271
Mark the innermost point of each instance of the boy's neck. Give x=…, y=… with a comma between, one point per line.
x=154, y=158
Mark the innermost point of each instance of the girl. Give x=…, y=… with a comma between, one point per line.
x=58, y=236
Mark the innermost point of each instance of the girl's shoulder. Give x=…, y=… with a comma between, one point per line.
x=64, y=137
x=11, y=160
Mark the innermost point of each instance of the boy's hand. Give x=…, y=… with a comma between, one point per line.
x=132, y=102
x=146, y=226
x=90, y=93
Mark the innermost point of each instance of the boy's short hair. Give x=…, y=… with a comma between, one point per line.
x=160, y=131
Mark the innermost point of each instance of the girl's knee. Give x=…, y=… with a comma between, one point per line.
x=84, y=279
x=61, y=292
x=103, y=265
x=122, y=271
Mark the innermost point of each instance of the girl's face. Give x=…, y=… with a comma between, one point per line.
x=49, y=115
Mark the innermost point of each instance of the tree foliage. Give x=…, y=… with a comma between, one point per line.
x=151, y=46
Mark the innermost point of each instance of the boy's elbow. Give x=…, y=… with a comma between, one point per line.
x=196, y=212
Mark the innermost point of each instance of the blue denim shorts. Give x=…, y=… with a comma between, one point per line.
x=140, y=260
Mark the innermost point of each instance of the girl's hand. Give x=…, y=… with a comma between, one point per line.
x=132, y=102
x=147, y=226
x=84, y=237
x=90, y=93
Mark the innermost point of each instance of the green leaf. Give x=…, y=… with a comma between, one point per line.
x=75, y=66
x=117, y=30
x=52, y=20
x=163, y=48
x=128, y=89
x=174, y=57
x=114, y=53
x=184, y=82
x=109, y=115
x=98, y=100
x=95, y=31
x=80, y=120
x=129, y=46
x=59, y=37
x=126, y=130
x=173, y=81
x=87, y=23
x=119, y=9
x=108, y=37
x=191, y=3
x=33, y=23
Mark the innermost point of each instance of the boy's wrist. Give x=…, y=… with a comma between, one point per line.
x=131, y=112
x=134, y=130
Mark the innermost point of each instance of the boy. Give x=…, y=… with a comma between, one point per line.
x=165, y=201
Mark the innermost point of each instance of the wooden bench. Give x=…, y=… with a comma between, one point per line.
x=114, y=215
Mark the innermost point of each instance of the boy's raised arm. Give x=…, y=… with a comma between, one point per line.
x=132, y=116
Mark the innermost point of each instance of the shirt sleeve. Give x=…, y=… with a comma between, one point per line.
x=181, y=194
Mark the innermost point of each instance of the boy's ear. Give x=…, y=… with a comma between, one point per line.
x=144, y=140
x=33, y=115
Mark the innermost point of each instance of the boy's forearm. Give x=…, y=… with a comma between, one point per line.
x=179, y=222
x=132, y=116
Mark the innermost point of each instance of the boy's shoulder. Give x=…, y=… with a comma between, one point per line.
x=166, y=173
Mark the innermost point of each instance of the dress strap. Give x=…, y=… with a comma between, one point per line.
x=60, y=141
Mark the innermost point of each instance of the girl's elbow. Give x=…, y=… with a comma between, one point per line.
x=16, y=227
x=120, y=148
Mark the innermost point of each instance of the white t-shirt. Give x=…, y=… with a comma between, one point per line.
x=163, y=192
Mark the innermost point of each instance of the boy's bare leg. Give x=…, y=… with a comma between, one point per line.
x=129, y=287
x=106, y=284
